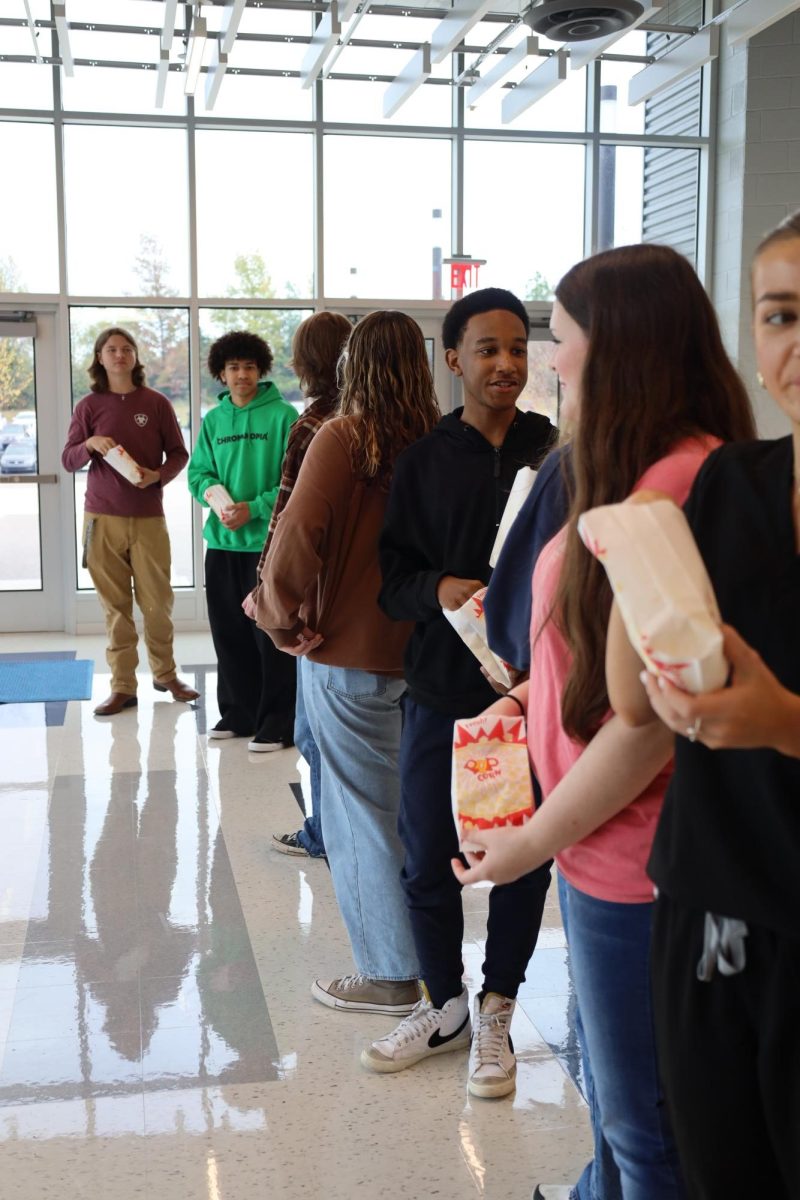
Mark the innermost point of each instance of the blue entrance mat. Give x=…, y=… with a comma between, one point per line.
x=46, y=679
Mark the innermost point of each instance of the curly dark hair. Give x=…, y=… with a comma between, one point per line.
x=97, y=372
x=239, y=344
x=484, y=300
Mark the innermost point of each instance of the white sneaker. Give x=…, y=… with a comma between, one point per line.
x=220, y=732
x=426, y=1031
x=492, y=1065
x=551, y=1191
x=259, y=745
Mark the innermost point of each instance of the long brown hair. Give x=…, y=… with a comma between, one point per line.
x=388, y=387
x=656, y=372
x=97, y=372
x=316, y=346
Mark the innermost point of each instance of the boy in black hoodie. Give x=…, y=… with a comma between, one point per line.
x=448, y=495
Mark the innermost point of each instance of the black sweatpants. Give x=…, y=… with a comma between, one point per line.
x=729, y=1052
x=433, y=894
x=255, y=682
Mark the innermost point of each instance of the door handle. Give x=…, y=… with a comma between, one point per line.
x=28, y=479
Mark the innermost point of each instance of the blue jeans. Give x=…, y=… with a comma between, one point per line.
x=355, y=719
x=310, y=836
x=609, y=947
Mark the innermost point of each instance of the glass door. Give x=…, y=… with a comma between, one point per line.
x=31, y=565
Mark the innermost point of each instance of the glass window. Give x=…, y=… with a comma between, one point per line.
x=122, y=90
x=264, y=96
x=26, y=85
x=29, y=245
x=616, y=114
x=620, y=196
x=146, y=13
x=255, y=206
x=543, y=185
x=564, y=108
x=162, y=335
x=540, y=393
x=127, y=219
x=275, y=325
x=20, y=533
x=258, y=97
x=362, y=102
x=387, y=215
x=651, y=194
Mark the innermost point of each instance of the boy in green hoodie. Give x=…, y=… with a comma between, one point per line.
x=241, y=446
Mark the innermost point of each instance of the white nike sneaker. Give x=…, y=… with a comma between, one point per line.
x=492, y=1065
x=425, y=1031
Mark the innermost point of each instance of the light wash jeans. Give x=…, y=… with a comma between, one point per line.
x=310, y=836
x=355, y=719
x=609, y=949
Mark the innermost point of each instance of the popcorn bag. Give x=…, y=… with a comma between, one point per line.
x=218, y=498
x=469, y=623
x=118, y=458
x=491, y=777
x=520, y=489
x=664, y=594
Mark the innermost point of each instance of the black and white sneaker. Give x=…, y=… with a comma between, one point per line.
x=551, y=1191
x=425, y=1031
x=221, y=731
x=262, y=745
x=289, y=843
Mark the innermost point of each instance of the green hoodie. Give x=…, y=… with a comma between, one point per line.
x=243, y=449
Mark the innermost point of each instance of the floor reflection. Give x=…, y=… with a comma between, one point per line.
x=137, y=972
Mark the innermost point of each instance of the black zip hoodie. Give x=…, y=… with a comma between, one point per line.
x=448, y=494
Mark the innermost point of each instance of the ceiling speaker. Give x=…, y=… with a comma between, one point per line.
x=583, y=20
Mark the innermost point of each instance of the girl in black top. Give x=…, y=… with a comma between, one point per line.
x=726, y=859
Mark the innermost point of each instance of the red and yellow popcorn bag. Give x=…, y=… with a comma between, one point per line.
x=491, y=777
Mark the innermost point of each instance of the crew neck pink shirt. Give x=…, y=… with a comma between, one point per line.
x=609, y=864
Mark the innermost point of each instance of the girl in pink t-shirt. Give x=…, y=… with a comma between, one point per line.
x=648, y=391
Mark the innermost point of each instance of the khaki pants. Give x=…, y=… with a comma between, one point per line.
x=121, y=551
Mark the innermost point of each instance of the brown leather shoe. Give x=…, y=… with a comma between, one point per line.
x=179, y=689
x=115, y=703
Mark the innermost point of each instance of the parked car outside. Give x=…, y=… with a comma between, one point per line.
x=19, y=457
x=11, y=431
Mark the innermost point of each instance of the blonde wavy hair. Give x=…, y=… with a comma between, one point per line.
x=387, y=387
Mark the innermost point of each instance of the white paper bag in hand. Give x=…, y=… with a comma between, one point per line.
x=118, y=458
x=469, y=622
x=661, y=585
x=217, y=498
x=491, y=778
x=523, y=482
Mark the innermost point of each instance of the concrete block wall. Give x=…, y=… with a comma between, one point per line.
x=758, y=180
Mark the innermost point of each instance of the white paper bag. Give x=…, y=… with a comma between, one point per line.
x=118, y=458
x=523, y=482
x=661, y=585
x=217, y=498
x=491, y=780
x=469, y=622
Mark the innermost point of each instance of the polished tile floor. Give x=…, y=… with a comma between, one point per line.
x=157, y=1036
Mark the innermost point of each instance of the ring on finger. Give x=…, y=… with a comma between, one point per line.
x=693, y=730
